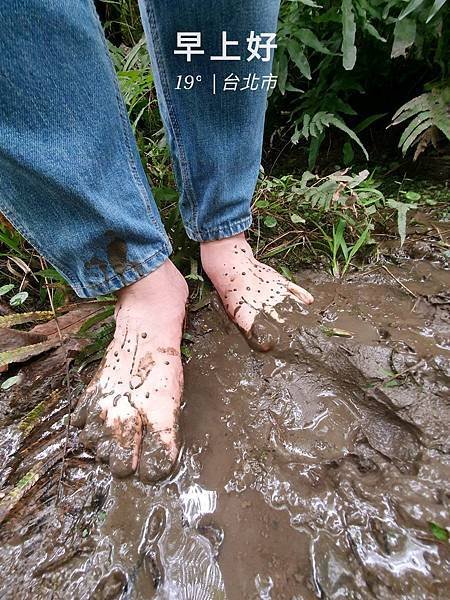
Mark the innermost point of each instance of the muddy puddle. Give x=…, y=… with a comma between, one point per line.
x=318, y=470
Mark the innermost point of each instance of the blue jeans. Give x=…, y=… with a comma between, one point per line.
x=71, y=180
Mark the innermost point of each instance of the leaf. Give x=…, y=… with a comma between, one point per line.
x=348, y=35
x=440, y=533
x=365, y=123
x=412, y=137
x=402, y=210
x=335, y=332
x=314, y=148
x=438, y=4
x=297, y=218
x=21, y=264
x=186, y=351
x=360, y=241
x=19, y=490
x=411, y=108
x=427, y=111
x=8, y=383
x=6, y=288
x=412, y=5
x=18, y=299
x=282, y=72
x=270, y=221
x=287, y=273
x=292, y=88
x=413, y=196
x=373, y=32
x=299, y=58
x=348, y=154
x=51, y=274
x=14, y=495
x=296, y=136
x=306, y=122
x=307, y=37
x=343, y=127
x=33, y=417
x=25, y=352
x=29, y=317
x=404, y=37
x=96, y=318
x=308, y=3
x=165, y=194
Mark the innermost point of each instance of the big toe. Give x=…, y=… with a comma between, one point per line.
x=300, y=293
x=158, y=459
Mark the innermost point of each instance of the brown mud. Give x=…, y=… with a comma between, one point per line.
x=311, y=471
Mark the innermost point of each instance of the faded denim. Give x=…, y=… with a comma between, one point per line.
x=71, y=180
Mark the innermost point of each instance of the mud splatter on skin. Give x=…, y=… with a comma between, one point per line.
x=130, y=441
x=145, y=365
x=249, y=289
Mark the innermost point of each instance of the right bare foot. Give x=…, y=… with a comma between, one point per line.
x=129, y=412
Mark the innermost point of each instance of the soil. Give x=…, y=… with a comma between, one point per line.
x=317, y=470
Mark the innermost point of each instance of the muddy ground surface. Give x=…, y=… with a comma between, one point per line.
x=312, y=471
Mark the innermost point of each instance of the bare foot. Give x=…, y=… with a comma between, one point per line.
x=129, y=411
x=247, y=287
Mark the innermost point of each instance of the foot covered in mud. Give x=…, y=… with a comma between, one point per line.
x=249, y=289
x=129, y=412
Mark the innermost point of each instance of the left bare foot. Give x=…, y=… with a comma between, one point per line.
x=246, y=286
x=129, y=412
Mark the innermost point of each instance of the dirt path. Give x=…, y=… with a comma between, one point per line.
x=314, y=471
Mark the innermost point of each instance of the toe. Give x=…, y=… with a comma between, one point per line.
x=122, y=460
x=104, y=450
x=264, y=334
x=300, y=293
x=92, y=434
x=157, y=459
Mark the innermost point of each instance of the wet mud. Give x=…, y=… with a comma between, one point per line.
x=318, y=469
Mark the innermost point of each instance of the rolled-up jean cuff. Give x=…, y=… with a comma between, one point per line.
x=220, y=232
x=127, y=277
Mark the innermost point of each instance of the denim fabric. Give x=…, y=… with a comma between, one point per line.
x=71, y=180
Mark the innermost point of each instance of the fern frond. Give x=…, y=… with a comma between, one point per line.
x=410, y=109
x=416, y=122
x=429, y=111
x=314, y=127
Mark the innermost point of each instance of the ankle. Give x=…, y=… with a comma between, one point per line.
x=213, y=252
x=165, y=286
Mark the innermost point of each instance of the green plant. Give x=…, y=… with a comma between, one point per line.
x=331, y=216
x=429, y=114
x=331, y=52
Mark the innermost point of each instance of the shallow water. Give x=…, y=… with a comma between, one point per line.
x=312, y=471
